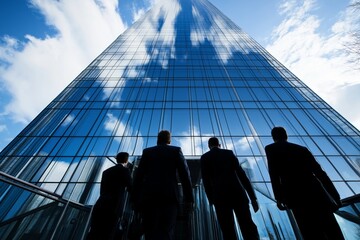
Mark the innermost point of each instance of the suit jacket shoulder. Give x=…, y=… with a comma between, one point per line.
x=161, y=148
x=115, y=179
x=156, y=175
x=223, y=178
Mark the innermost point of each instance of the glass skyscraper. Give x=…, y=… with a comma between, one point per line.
x=187, y=68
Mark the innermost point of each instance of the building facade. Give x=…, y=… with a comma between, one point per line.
x=187, y=68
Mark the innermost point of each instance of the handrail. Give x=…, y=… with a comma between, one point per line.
x=21, y=216
x=350, y=200
x=36, y=189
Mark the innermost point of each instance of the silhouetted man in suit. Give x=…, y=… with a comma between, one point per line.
x=300, y=184
x=156, y=190
x=228, y=188
x=109, y=207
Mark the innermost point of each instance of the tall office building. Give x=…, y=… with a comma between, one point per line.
x=187, y=68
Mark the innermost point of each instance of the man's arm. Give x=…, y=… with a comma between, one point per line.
x=275, y=180
x=323, y=178
x=245, y=182
x=138, y=179
x=205, y=175
x=103, y=183
x=185, y=179
x=128, y=180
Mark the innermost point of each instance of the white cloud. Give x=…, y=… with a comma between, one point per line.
x=194, y=143
x=2, y=128
x=319, y=60
x=114, y=123
x=122, y=132
x=137, y=14
x=35, y=73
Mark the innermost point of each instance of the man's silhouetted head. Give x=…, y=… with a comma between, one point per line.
x=164, y=137
x=279, y=134
x=122, y=157
x=213, y=142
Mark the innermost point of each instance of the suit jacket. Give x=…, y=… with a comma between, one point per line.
x=156, y=178
x=224, y=180
x=297, y=178
x=109, y=206
x=114, y=182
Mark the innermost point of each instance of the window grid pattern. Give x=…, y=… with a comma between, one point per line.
x=196, y=74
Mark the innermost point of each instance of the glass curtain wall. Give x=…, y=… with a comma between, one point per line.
x=187, y=68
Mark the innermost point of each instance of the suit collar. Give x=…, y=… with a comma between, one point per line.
x=214, y=148
x=162, y=144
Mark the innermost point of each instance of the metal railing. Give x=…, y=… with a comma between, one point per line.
x=31, y=212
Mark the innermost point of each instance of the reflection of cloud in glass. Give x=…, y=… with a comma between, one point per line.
x=112, y=80
x=68, y=120
x=225, y=49
x=245, y=143
x=120, y=131
x=113, y=125
x=231, y=45
x=54, y=173
x=242, y=147
x=112, y=86
x=149, y=80
x=86, y=98
x=193, y=142
x=197, y=38
x=164, y=30
x=252, y=162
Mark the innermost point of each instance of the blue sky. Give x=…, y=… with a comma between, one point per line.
x=44, y=45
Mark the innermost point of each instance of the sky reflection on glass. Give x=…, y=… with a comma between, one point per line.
x=187, y=68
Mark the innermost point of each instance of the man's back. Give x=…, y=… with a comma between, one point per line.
x=223, y=178
x=226, y=185
x=156, y=190
x=157, y=173
x=302, y=178
x=300, y=184
x=114, y=181
x=109, y=206
x=290, y=159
